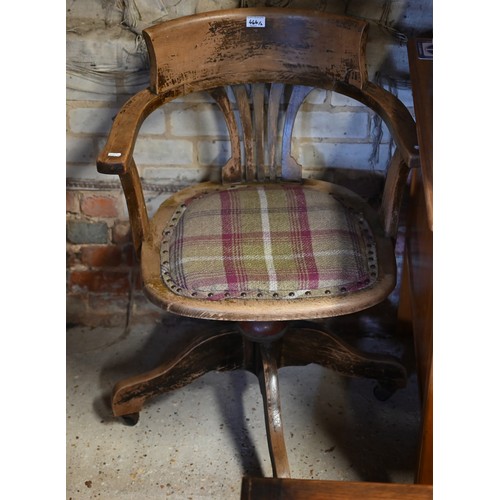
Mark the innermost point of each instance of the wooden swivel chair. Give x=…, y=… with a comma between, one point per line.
x=261, y=252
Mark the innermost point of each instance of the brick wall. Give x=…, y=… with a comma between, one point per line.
x=184, y=142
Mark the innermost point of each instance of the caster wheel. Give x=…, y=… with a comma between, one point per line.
x=383, y=391
x=130, y=419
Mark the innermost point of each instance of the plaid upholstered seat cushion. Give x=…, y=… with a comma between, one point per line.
x=280, y=241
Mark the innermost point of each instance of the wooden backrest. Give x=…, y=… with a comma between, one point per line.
x=246, y=58
x=234, y=46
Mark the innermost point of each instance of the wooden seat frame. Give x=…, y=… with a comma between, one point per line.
x=214, y=52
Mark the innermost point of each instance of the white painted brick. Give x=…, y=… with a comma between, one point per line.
x=163, y=152
x=196, y=97
x=405, y=96
x=99, y=121
x=214, y=152
x=386, y=135
x=174, y=175
x=154, y=123
x=375, y=123
x=91, y=120
x=340, y=125
x=80, y=150
x=341, y=155
x=198, y=121
x=316, y=96
x=343, y=100
x=87, y=172
x=154, y=200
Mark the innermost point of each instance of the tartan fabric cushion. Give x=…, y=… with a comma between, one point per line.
x=280, y=241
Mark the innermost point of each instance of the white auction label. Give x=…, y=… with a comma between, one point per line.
x=256, y=21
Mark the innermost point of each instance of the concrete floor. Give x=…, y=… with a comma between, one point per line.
x=198, y=442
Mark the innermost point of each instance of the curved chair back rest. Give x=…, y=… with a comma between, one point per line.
x=257, y=46
x=225, y=47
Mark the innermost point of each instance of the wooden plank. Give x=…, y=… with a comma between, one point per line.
x=425, y=473
x=421, y=74
x=419, y=267
x=419, y=256
x=306, y=489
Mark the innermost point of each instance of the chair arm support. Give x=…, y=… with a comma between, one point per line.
x=138, y=214
x=392, y=196
x=116, y=157
x=395, y=115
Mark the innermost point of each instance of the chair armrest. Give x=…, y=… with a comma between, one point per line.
x=116, y=157
x=395, y=115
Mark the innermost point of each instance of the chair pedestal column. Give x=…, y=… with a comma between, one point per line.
x=266, y=337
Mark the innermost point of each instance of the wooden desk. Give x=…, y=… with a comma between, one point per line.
x=417, y=283
x=253, y=488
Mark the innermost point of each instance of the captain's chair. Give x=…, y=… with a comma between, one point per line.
x=261, y=252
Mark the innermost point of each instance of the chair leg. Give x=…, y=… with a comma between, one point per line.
x=306, y=343
x=267, y=372
x=220, y=350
